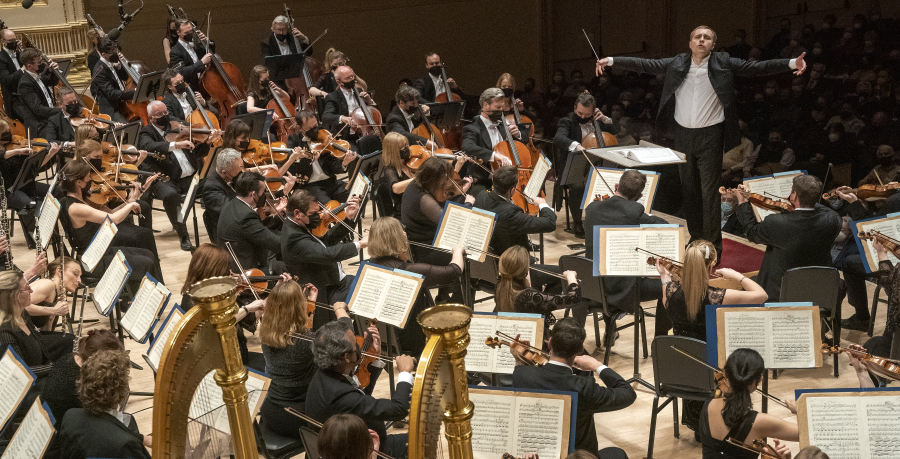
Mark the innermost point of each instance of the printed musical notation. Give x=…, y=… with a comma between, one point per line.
x=784, y=338
x=519, y=423
x=853, y=426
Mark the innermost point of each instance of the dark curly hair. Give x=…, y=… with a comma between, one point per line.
x=104, y=381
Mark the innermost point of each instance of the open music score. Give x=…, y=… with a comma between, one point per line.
x=154, y=352
x=207, y=404
x=110, y=286
x=632, y=156
x=485, y=359
x=464, y=227
x=47, y=222
x=189, y=197
x=33, y=436
x=146, y=306
x=15, y=381
x=888, y=225
x=615, y=254
x=784, y=334
x=648, y=155
x=597, y=186
x=538, y=177
x=775, y=185
x=851, y=425
x=99, y=244
x=383, y=293
x=519, y=422
x=360, y=186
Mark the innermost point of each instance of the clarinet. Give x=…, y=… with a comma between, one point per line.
x=4, y=226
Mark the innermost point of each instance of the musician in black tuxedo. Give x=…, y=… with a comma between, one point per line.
x=177, y=94
x=332, y=391
x=217, y=188
x=570, y=371
x=318, y=171
x=110, y=77
x=622, y=208
x=177, y=160
x=570, y=131
x=58, y=128
x=481, y=135
x=697, y=109
x=794, y=239
x=340, y=103
x=239, y=224
x=283, y=41
x=190, y=58
x=10, y=70
x=405, y=116
x=34, y=103
x=430, y=85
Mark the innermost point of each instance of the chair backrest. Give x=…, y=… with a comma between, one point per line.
x=673, y=372
x=818, y=284
x=260, y=440
x=591, y=285
x=487, y=270
x=310, y=442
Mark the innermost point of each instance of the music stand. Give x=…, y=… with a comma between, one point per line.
x=371, y=166
x=446, y=114
x=285, y=66
x=127, y=134
x=149, y=87
x=259, y=123
x=28, y=173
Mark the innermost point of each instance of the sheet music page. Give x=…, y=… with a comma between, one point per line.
x=836, y=427
x=890, y=228
x=538, y=176
x=402, y=292
x=793, y=344
x=539, y=426
x=359, y=187
x=612, y=178
x=138, y=302
x=650, y=155
x=747, y=329
x=384, y=295
x=188, y=203
x=145, y=313
x=883, y=424
x=105, y=234
x=110, y=284
x=621, y=259
x=155, y=353
x=493, y=425
x=466, y=228
x=47, y=223
x=504, y=363
x=664, y=243
x=480, y=357
x=14, y=384
x=33, y=436
x=207, y=401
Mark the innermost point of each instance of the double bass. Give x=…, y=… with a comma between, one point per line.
x=221, y=81
x=312, y=71
x=452, y=134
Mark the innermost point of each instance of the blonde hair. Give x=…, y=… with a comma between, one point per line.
x=390, y=149
x=507, y=76
x=386, y=238
x=514, y=264
x=331, y=55
x=9, y=290
x=83, y=133
x=285, y=314
x=699, y=257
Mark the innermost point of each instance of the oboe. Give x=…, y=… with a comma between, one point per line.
x=4, y=225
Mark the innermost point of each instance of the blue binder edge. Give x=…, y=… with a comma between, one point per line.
x=712, y=337
x=162, y=326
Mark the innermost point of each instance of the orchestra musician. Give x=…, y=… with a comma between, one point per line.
x=59, y=128
x=93, y=57
x=237, y=136
x=481, y=136
x=171, y=38
x=177, y=92
x=261, y=91
x=327, y=83
x=319, y=168
x=340, y=103
x=217, y=188
x=886, y=344
x=34, y=101
x=241, y=225
x=571, y=129
x=108, y=86
x=396, y=174
x=190, y=59
x=507, y=84
x=47, y=301
x=405, y=117
x=430, y=85
x=346, y=436
x=282, y=42
x=10, y=70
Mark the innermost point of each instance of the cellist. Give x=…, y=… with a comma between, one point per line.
x=190, y=58
x=176, y=96
x=482, y=135
x=571, y=129
x=405, y=117
x=108, y=86
x=430, y=85
x=342, y=102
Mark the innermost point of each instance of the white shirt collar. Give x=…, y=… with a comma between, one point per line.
x=435, y=79
x=487, y=122
x=554, y=362
x=703, y=63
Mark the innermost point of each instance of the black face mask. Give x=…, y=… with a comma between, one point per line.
x=181, y=87
x=162, y=121
x=12, y=46
x=334, y=67
x=349, y=84
x=404, y=153
x=436, y=70
x=314, y=220
x=242, y=145
x=507, y=92
x=281, y=37
x=886, y=163
x=97, y=163
x=6, y=137
x=495, y=116
x=775, y=144
x=189, y=37
x=261, y=200
x=73, y=109
x=86, y=189
x=583, y=120
x=264, y=83
x=312, y=133
x=114, y=58
x=41, y=68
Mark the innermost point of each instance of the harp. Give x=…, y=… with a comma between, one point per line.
x=204, y=340
x=440, y=393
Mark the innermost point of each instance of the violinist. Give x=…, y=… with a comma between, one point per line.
x=481, y=136
x=284, y=40
x=179, y=162
x=35, y=97
x=109, y=81
x=217, y=188
x=177, y=93
x=240, y=223
x=10, y=70
x=794, y=239
x=886, y=277
x=432, y=84
x=571, y=129
x=237, y=136
x=565, y=372
x=320, y=168
x=59, y=127
x=886, y=170
x=397, y=175
x=188, y=57
x=405, y=117
x=341, y=102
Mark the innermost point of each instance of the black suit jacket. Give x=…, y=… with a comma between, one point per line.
x=105, y=89
x=722, y=71
x=174, y=107
x=567, y=131
x=313, y=263
x=513, y=225
x=270, y=47
x=425, y=86
x=31, y=105
x=336, y=107
x=249, y=237
x=9, y=81
x=214, y=195
x=84, y=435
x=189, y=69
x=476, y=143
x=592, y=398
x=151, y=140
x=58, y=129
x=330, y=393
x=795, y=239
x=331, y=166
x=396, y=122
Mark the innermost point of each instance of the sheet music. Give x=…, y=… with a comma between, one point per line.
x=15, y=381
x=538, y=176
x=776, y=186
x=510, y=422
x=155, y=352
x=539, y=426
x=467, y=228
x=110, y=285
x=891, y=228
x=47, y=222
x=385, y=294
x=623, y=260
x=784, y=338
x=857, y=427
x=144, y=309
x=612, y=176
x=493, y=425
x=650, y=155
x=504, y=362
x=104, y=236
x=208, y=398
x=359, y=187
x=188, y=203
x=33, y=436
x=482, y=358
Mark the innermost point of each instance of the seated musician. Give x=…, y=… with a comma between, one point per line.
x=261, y=91
x=47, y=300
x=507, y=84
x=108, y=86
x=177, y=93
x=289, y=359
x=794, y=239
x=335, y=389
x=887, y=272
x=346, y=436
x=10, y=71
x=241, y=225
x=218, y=189
x=397, y=175
x=59, y=128
x=190, y=59
x=571, y=129
x=516, y=292
x=327, y=83
x=389, y=247
x=26, y=198
x=39, y=266
x=886, y=171
x=431, y=85
x=237, y=136
x=405, y=117
x=93, y=152
x=733, y=417
x=481, y=136
x=34, y=100
x=178, y=160
x=341, y=103
x=93, y=56
x=318, y=169
x=317, y=260
x=99, y=429
x=566, y=355
x=86, y=132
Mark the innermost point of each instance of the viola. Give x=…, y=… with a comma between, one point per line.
x=366, y=120
x=597, y=197
x=99, y=121
x=890, y=244
x=108, y=192
x=365, y=344
x=452, y=134
x=325, y=141
x=763, y=202
x=758, y=446
x=259, y=282
x=868, y=192
x=886, y=368
x=197, y=133
x=526, y=353
x=333, y=212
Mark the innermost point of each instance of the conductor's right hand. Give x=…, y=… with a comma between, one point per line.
x=405, y=363
x=600, y=64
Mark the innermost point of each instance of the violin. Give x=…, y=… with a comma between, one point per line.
x=674, y=268
x=123, y=173
x=758, y=446
x=880, y=366
x=107, y=193
x=890, y=244
x=763, y=202
x=99, y=121
x=366, y=120
x=325, y=141
x=259, y=282
x=362, y=371
x=198, y=133
x=261, y=152
x=526, y=353
x=598, y=197
x=332, y=212
x=868, y=192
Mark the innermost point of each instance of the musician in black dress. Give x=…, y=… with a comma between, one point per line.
x=397, y=175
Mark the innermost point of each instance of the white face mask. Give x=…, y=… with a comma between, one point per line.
x=834, y=137
x=841, y=237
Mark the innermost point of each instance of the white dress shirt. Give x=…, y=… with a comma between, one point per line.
x=438, y=83
x=586, y=129
x=13, y=58
x=190, y=49
x=185, y=105
x=284, y=46
x=186, y=168
x=408, y=117
x=351, y=99
x=493, y=131
x=43, y=88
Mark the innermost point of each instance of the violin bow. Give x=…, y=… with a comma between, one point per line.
x=99, y=174
x=274, y=200
x=243, y=274
x=714, y=369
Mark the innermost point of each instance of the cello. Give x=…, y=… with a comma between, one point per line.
x=312, y=70
x=520, y=156
x=367, y=119
x=452, y=134
x=130, y=109
x=418, y=153
x=598, y=138
x=287, y=122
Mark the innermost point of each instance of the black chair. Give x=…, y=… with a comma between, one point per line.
x=310, y=442
x=274, y=446
x=487, y=273
x=677, y=376
x=821, y=286
x=876, y=298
